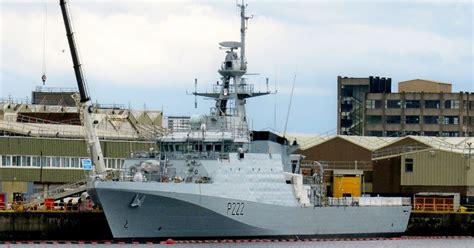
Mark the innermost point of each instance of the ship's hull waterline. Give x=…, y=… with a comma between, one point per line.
x=154, y=213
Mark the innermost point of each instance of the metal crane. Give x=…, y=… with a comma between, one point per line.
x=84, y=104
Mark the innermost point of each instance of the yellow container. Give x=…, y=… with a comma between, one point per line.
x=347, y=186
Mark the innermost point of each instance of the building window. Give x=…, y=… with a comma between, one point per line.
x=431, y=119
x=346, y=106
x=408, y=165
x=451, y=104
x=451, y=120
x=374, y=119
x=412, y=119
x=432, y=104
x=412, y=104
x=468, y=120
x=25, y=160
x=375, y=133
x=55, y=161
x=6, y=160
x=394, y=134
x=35, y=161
x=449, y=134
x=370, y=104
x=393, y=103
x=47, y=162
x=393, y=119
x=345, y=122
x=374, y=104
x=431, y=134
x=75, y=162
x=64, y=162
x=346, y=92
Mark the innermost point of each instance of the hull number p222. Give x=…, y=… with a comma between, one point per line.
x=235, y=208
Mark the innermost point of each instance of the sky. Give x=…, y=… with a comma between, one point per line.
x=146, y=54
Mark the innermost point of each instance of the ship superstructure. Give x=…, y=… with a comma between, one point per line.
x=219, y=179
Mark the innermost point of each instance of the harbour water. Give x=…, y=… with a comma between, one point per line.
x=387, y=243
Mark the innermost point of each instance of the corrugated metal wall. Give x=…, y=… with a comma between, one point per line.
x=337, y=149
x=437, y=168
x=58, y=147
x=68, y=147
x=48, y=147
x=34, y=175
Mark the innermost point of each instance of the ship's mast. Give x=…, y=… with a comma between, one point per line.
x=84, y=104
x=234, y=88
x=243, y=28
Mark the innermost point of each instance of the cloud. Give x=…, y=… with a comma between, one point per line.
x=165, y=45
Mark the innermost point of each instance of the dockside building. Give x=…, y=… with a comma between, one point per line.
x=420, y=107
x=42, y=141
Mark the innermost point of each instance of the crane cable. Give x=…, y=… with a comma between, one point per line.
x=45, y=25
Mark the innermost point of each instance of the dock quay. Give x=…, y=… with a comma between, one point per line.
x=53, y=225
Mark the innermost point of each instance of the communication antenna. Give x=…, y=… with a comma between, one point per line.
x=195, y=95
x=275, y=107
x=289, y=105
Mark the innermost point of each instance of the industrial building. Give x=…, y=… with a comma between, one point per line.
x=393, y=165
x=347, y=160
x=414, y=164
x=42, y=142
x=351, y=94
x=421, y=107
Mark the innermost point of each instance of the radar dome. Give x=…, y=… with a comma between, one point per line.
x=196, y=120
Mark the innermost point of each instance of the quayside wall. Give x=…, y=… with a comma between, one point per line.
x=53, y=226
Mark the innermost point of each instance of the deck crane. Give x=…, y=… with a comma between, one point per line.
x=85, y=103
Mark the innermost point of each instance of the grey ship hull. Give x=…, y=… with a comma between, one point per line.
x=165, y=214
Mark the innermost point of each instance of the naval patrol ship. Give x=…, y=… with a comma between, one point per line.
x=219, y=179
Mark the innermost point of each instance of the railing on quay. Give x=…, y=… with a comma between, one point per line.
x=56, y=206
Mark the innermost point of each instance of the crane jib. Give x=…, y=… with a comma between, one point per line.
x=74, y=54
